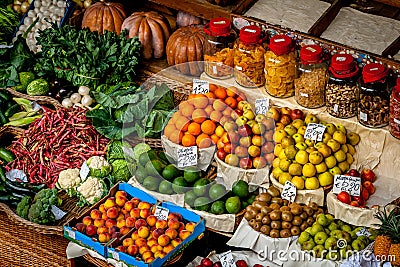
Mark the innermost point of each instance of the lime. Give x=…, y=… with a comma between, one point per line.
x=179, y=185
x=245, y=204
x=202, y=203
x=170, y=172
x=251, y=199
x=190, y=197
x=165, y=187
x=233, y=205
x=200, y=187
x=240, y=188
x=217, y=191
x=140, y=149
x=163, y=157
x=154, y=167
x=191, y=174
x=151, y=183
x=218, y=207
x=140, y=172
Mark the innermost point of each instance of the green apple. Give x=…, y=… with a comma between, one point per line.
x=330, y=128
x=321, y=167
x=331, y=243
x=315, y=158
x=340, y=156
x=344, y=148
x=330, y=162
x=318, y=145
x=283, y=177
x=330, y=218
x=276, y=172
x=302, y=130
x=318, y=251
x=325, y=150
x=241, y=121
x=282, y=154
x=344, y=166
x=325, y=178
x=304, y=237
x=332, y=256
x=308, y=245
x=364, y=239
x=322, y=122
x=278, y=135
x=290, y=129
x=298, y=138
x=275, y=162
x=309, y=170
x=351, y=148
x=316, y=228
x=297, y=123
x=336, y=233
x=340, y=137
x=326, y=138
x=301, y=157
x=346, y=252
x=308, y=230
x=347, y=236
x=309, y=142
x=311, y=149
x=341, y=128
x=353, y=138
x=295, y=169
x=327, y=231
x=284, y=164
x=310, y=118
x=358, y=245
x=333, y=226
x=301, y=145
x=311, y=183
x=334, y=145
x=277, y=150
x=335, y=171
x=322, y=220
x=260, y=117
x=290, y=152
x=349, y=158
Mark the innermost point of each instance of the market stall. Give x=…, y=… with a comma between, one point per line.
x=195, y=134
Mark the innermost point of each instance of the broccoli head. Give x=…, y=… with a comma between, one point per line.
x=23, y=207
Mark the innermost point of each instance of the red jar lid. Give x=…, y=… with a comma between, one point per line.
x=342, y=62
x=281, y=44
x=311, y=54
x=220, y=26
x=397, y=86
x=373, y=72
x=250, y=34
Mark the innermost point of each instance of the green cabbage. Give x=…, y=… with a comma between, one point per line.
x=38, y=87
x=122, y=170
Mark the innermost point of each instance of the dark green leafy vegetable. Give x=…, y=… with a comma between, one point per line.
x=23, y=207
x=9, y=20
x=40, y=211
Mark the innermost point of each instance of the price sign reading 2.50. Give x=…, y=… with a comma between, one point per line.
x=350, y=184
x=187, y=156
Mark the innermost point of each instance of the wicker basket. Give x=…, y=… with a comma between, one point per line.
x=44, y=100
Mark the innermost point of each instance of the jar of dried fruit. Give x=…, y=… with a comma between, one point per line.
x=280, y=66
x=373, y=107
x=218, y=48
x=394, y=118
x=249, y=57
x=310, y=85
x=341, y=89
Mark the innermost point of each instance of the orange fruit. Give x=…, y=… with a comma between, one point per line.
x=188, y=140
x=199, y=101
x=194, y=128
x=208, y=127
x=220, y=93
x=215, y=115
x=176, y=136
x=209, y=109
x=199, y=115
x=186, y=109
x=214, y=139
x=210, y=95
x=169, y=129
x=219, y=105
x=191, y=96
x=203, y=141
x=231, y=91
x=231, y=101
x=182, y=123
x=212, y=87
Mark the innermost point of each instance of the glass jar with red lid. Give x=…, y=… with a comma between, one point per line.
x=373, y=106
x=394, y=117
x=249, y=62
x=312, y=77
x=341, y=89
x=280, y=66
x=218, y=48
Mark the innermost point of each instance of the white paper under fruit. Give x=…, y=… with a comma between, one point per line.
x=205, y=155
x=247, y=237
x=177, y=199
x=223, y=222
x=231, y=174
x=303, y=196
x=354, y=215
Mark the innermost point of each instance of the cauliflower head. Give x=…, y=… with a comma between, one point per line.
x=91, y=191
x=98, y=166
x=68, y=179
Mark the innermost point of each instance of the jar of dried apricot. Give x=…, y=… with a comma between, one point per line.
x=249, y=57
x=312, y=70
x=280, y=67
x=218, y=48
x=394, y=118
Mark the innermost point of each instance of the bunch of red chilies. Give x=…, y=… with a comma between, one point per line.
x=62, y=139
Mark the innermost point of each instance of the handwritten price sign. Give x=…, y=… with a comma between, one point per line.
x=187, y=156
x=350, y=184
x=200, y=86
x=58, y=213
x=161, y=213
x=262, y=105
x=226, y=259
x=289, y=191
x=314, y=132
x=364, y=231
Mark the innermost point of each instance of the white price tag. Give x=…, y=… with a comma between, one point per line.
x=200, y=86
x=364, y=231
x=279, y=40
x=226, y=259
x=350, y=184
x=363, y=116
x=311, y=49
x=161, y=213
x=335, y=108
x=16, y=175
x=187, y=156
x=115, y=255
x=35, y=106
x=396, y=121
x=215, y=71
x=303, y=94
x=262, y=105
x=58, y=213
x=250, y=30
x=315, y=132
x=239, y=68
x=84, y=172
x=340, y=58
x=289, y=191
x=70, y=233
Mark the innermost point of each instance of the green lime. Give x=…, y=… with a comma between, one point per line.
x=202, y=203
x=154, y=167
x=191, y=174
x=163, y=157
x=200, y=187
x=218, y=207
x=251, y=199
x=233, y=205
x=170, y=172
x=244, y=204
x=217, y=191
x=151, y=183
x=190, y=197
x=140, y=172
x=241, y=189
x=165, y=187
x=140, y=149
x=179, y=185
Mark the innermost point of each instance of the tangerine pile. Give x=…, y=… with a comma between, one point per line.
x=198, y=119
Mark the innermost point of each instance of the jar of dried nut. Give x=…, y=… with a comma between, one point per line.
x=373, y=107
x=312, y=71
x=280, y=67
x=249, y=57
x=218, y=48
x=341, y=89
x=394, y=118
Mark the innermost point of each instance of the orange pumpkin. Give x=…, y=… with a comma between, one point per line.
x=153, y=31
x=186, y=46
x=103, y=16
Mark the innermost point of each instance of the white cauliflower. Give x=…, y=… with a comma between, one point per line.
x=91, y=191
x=68, y=180
x=98, y=166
